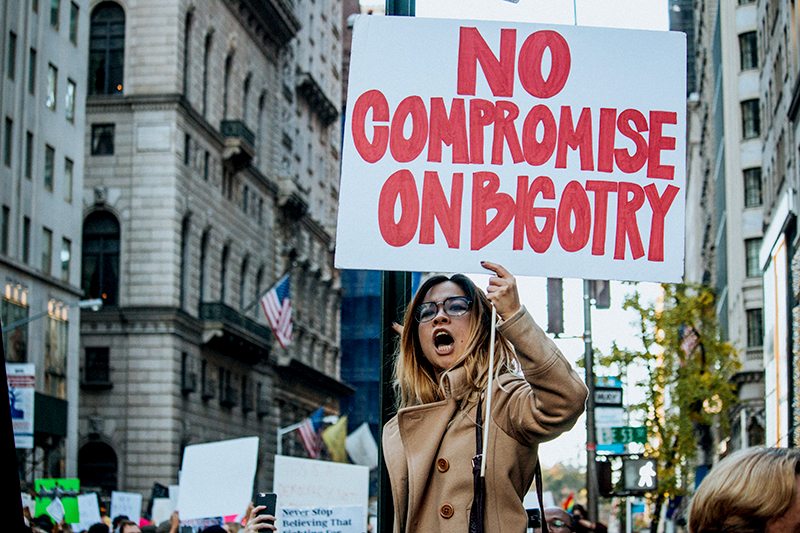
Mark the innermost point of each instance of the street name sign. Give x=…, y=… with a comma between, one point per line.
x=627, y=434
x=608, y=396
x=555, y=150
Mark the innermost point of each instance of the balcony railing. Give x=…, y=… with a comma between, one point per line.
x=234, y=333
x=240, y=143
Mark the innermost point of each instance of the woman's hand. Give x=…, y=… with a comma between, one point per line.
x=502, y=290
x=256, y=522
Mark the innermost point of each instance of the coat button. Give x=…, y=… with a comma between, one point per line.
x=446, y=511
x=442, y=464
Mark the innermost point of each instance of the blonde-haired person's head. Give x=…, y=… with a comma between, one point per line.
x=415, y=378
x=754, y=490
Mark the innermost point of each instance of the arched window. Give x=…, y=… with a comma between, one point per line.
x=257, y=289
x=226, y=81
x=260, y=144
x=206, y=59
x=203, y=256
x=100, y=264
x=223, y=272
x=243, y=284
x=184, y=274
x=106, y=49
x=187, y=50
x=246, y=95
x=97, y=466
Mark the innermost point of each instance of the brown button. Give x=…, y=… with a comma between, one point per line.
x=442, y=464
x=447, y=511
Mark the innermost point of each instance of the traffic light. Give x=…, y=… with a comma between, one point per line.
x=639, y=475
x=604, y=483
x=555, y=306
x=601, y=292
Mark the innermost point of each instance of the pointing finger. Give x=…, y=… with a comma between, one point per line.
x=497, y=268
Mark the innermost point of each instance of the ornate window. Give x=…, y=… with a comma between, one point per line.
x=100, y=264
x=107, y=49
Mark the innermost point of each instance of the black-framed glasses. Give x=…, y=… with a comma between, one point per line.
x=557, y=523
x=453, y=307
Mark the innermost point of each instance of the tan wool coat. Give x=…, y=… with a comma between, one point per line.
x=428, y=448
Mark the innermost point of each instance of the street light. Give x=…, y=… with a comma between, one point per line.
x=94, y=304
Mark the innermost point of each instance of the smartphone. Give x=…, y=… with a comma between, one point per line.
x=268, y=499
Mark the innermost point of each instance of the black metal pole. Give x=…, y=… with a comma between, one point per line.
x=11, y=504
x=395, y=295
x=591, y=434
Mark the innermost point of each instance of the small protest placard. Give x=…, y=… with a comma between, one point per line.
x=217, y=478
x=127, y=504
x=318, y=519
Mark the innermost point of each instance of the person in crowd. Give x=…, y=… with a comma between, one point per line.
x=441, y=376
x=558, y=520
x=751, y=490
x=99, y=527
x=582, y=523
x=127, y=526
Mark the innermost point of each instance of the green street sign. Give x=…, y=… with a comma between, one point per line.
x=626, y=434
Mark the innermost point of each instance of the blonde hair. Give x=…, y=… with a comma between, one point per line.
x=415, y=379
x=745, y=490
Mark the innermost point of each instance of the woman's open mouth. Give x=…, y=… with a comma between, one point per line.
x=443, y=342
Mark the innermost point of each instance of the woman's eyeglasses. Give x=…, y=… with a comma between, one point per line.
x=453, y=307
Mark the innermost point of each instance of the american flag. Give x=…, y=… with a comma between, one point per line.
x=277, y=306
x=309, y=433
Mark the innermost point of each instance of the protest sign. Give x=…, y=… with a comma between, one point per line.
x=65, y=489
x=311, y=483
x=318, y=519
x=162, y=509
x=217, y=478
x=530, y=145
x=88, y=511
x=126, y=504
x=21, y=391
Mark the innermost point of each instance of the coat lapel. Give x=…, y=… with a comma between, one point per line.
x=422, y=428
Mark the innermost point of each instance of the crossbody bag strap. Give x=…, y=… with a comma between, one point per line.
x=478, y=483
x=538, y=477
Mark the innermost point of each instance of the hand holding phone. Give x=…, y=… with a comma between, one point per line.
x=269, y=501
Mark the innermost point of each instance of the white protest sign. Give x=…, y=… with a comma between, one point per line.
x=162, y=509
x=361, y=447
x=29, y=502
x=56, y=510
x=88, y=511
x=173, y=495
x=317, y=519
x=21, y=379
x=127, y=504
x=311, y=483
x=217, y=478
x=553, y=150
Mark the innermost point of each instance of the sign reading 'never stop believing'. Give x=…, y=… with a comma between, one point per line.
x=553, y=150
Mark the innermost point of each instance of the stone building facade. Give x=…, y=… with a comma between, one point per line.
x=725, y=194
x=212, y=163
x=42, y=95
x=779, y=82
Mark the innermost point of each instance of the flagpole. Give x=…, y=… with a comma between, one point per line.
x=283, y=431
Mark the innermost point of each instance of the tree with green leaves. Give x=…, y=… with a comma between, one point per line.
x=688, y=388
